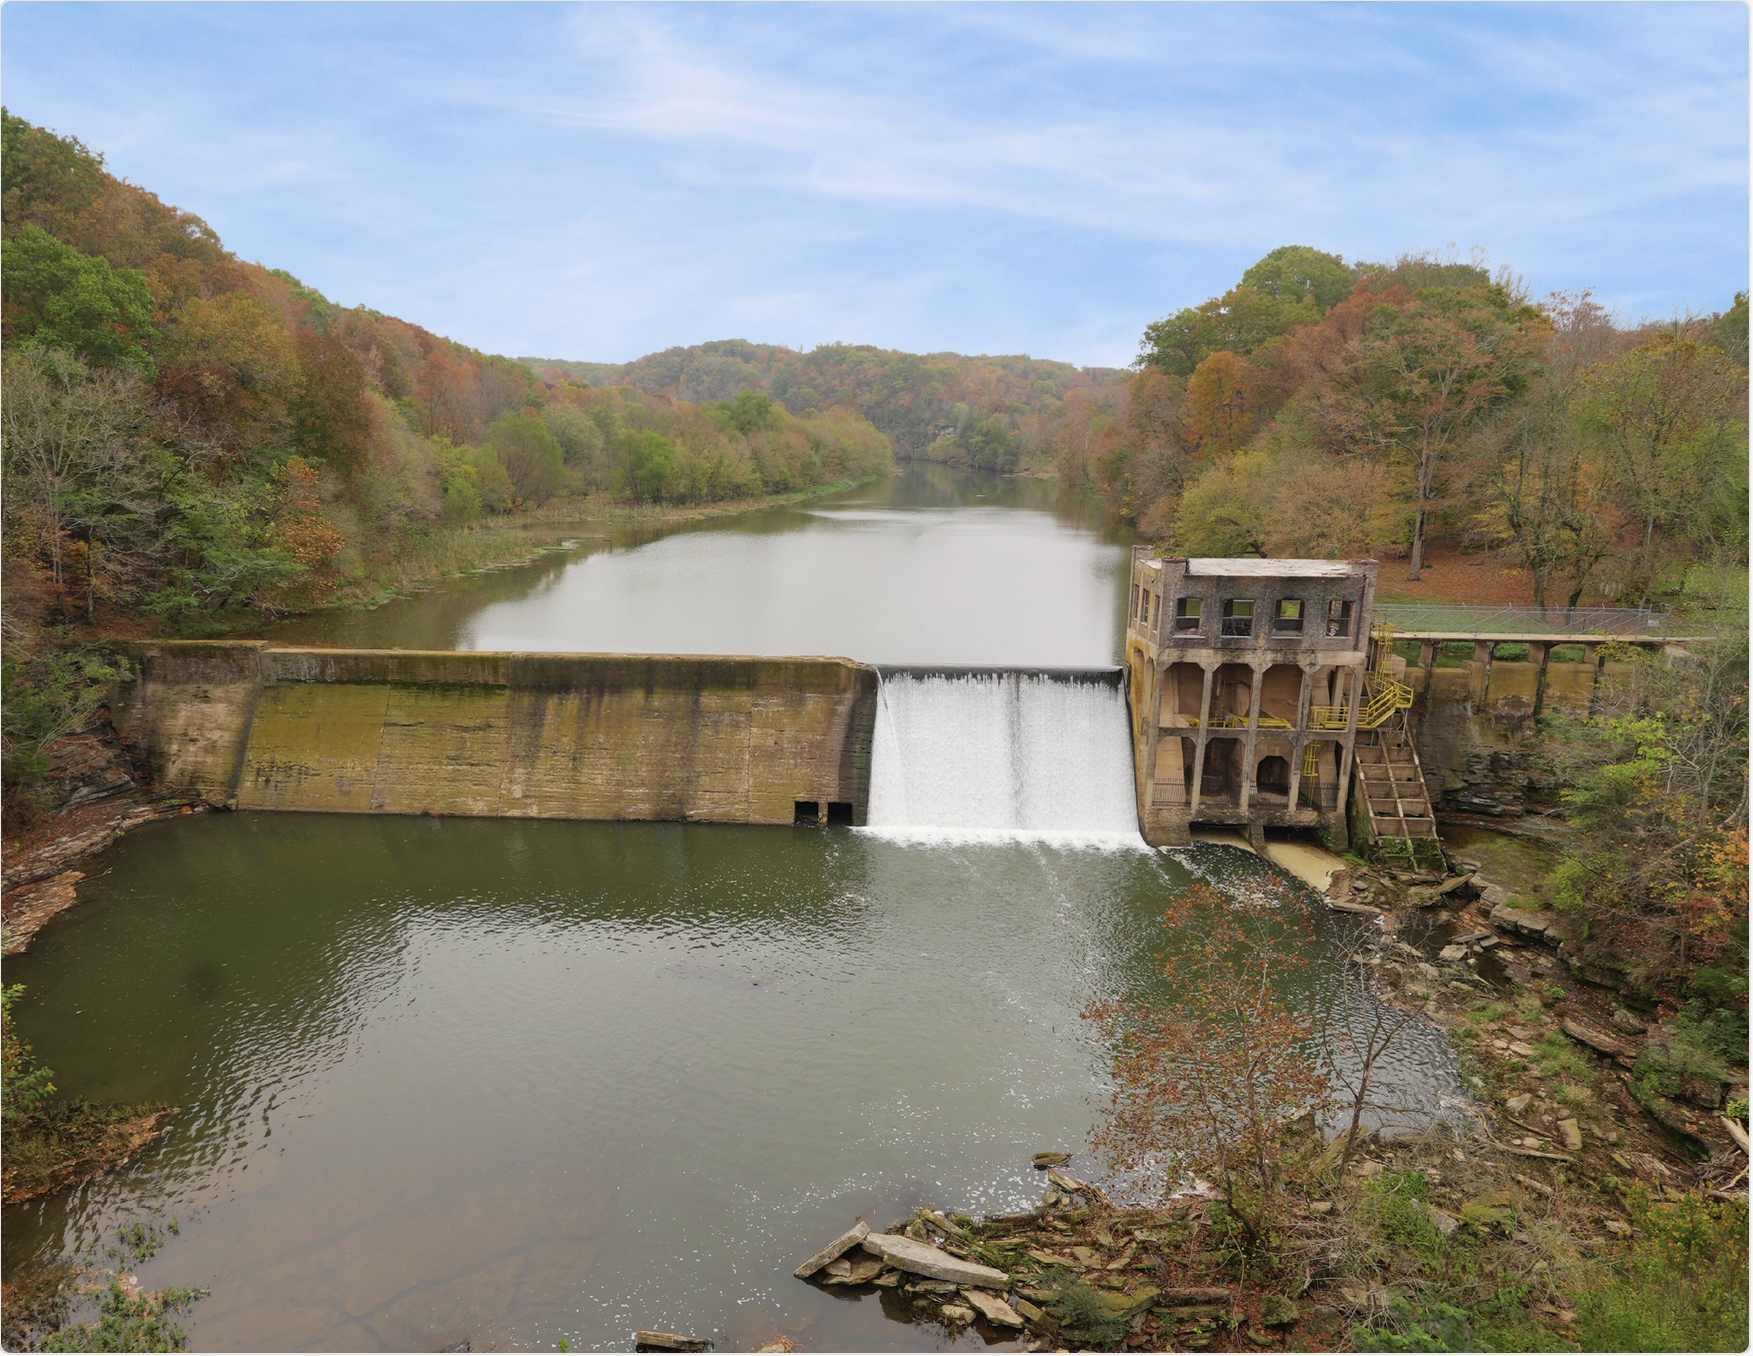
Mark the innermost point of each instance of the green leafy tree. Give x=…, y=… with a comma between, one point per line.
x=529, y=454
x=1292, y=272
x=988, y=445
x=65, y=299
x=1239, y=321
x=751, y=410
x=1667, y=426
x=643, y=463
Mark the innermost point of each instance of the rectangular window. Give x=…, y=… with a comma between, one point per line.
x=1288, y=616
x=1187, y=614
x=1338, y=618
x=1238, y=616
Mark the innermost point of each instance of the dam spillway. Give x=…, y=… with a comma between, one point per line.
x=727, y=739
x=1013, y=752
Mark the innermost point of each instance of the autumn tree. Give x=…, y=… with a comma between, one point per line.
x=330, y=419
x=1421, y=378
x=1221, y=412
x=1207, y=1078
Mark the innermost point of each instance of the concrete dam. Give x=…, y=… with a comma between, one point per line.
x=713, y=739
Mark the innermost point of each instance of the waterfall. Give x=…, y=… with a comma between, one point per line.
x=1012, y=753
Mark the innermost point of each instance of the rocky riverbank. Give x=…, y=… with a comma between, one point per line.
x=1493, y=1228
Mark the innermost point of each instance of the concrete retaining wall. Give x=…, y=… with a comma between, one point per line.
x=728, y=739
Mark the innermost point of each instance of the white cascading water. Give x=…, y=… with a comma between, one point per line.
x=1002, y=754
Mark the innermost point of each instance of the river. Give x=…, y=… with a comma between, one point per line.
x=508, y=1082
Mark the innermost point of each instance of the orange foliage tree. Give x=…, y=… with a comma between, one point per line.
x=1208, y=1081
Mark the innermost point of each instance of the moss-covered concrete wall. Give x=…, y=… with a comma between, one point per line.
x=727, y=739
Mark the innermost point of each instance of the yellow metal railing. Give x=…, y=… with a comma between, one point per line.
x=1384, y=696
x=1235, y=722
x=1312, y=760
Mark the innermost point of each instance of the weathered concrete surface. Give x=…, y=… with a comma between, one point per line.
x=728, y=739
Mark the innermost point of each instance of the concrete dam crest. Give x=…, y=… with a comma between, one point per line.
x=715, y=739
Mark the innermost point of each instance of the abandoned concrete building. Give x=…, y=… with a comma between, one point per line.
x=1256, y=690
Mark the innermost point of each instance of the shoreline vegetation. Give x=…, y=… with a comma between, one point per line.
x=198, y=445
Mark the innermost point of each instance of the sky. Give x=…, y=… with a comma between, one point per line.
x=600, y=181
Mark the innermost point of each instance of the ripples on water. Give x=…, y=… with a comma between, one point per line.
x=504, y=1082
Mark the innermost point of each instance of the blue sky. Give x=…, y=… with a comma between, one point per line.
x=599, y=181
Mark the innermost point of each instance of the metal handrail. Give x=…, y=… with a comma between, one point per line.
x=1579, y=621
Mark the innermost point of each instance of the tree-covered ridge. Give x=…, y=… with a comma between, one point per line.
x=1325, y=409
x=189, y=435
x=991, y=412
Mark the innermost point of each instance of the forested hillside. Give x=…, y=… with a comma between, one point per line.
x=1325, y=409
x=992, y=413
x=187, y=434
x=193, y=443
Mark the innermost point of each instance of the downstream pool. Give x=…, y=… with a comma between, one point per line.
x=508, y=1082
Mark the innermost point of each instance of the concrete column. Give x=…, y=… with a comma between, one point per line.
x=1482, y=651
x=1246, y=793
x=1204, y=738
x=1539, y=652
x=1354, y=703
x=1592, y=655
x=1152, y=732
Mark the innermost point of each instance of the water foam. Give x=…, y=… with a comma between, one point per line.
x=1003, y=756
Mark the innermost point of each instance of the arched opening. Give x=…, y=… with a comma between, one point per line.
x=1273, y=776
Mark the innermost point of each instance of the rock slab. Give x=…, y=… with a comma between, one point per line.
x=838, y=1248
x=1591, y=1036
x=669, y=1341
x=993, y=1309
x=904, y=1254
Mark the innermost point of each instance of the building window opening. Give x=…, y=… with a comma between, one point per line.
x=1273, y=776
x=840, y=812
x=1187, y=614
x=1288, y=616
x=807, y=812
x=1238, y=616
x=1135, y=593
x=1339, y=618
x=1154, y=610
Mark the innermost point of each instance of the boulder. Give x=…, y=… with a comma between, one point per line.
x=1278, y=1312
x=1494, y=895
x=993, y=1309
x=1051, y=1160
x=904, y=1254
x=835, y=1250
x=1528, y=922
x=1521, y=1049
x=1628, y=1022
x=1572, y=1134
x=957, y=1315
x=1519, y=1103
x=1445, y=1224
x=1452, y=953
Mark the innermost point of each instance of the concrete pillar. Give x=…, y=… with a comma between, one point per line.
x=1482, y=651
x=1297, y=743
x=1353, y=703
x=1204, y=739
x=1539, y=652
x=1245, y=795
x=1592, y=655
x=1152, y=730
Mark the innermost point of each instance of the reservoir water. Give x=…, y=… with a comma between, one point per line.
x=508, y=1082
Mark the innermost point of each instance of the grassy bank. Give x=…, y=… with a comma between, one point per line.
x=447, y=551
